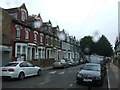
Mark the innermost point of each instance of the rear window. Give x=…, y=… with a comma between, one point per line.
x=10, y=64
x=92, y=67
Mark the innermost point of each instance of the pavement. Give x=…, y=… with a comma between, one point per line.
x=113, y=73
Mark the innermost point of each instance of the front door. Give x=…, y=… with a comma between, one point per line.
x=33, y=53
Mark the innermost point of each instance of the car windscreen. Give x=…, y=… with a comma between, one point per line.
x=92, y=67
x=10, y=64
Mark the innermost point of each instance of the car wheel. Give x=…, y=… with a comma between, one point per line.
x=100, y=83
x=77, y=81
x=39, y=72
x=21, y=76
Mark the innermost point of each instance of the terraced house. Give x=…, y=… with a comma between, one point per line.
x=29, y=36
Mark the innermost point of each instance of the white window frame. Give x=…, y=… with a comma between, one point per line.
x=47, y=40
x=23, y=14
x=24, y=49
x=42, y=51
x=51, y=41
x=41, y=38
x=18, y=29
x=35, y=36
x=27, y=30
x=18, y=53
x=21, y=49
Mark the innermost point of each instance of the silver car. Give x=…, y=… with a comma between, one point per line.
x=60, y=64
x=20, y=69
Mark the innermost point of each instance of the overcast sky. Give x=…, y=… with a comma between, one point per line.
x=78, y=17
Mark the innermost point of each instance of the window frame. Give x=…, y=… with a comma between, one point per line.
x=47, y=40
x=35, y=36
x=23, y=14
x=18, y=31
x=41, y=38
x=18, y=52
x=27, y=33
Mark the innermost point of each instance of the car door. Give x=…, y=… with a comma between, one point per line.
x=33, y=69
x=24, y=67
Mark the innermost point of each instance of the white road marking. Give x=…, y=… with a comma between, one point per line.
x=44, y=82
x=53, y=72
x=108, y=80
x=61, y=72
x=70, y=85
x=75, y=81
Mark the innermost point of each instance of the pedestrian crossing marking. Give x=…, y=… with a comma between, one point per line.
x=61, y=72
x=53, y=72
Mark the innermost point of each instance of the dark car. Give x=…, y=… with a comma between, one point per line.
x=90, y=74
x=98, y=60
x=70, y=62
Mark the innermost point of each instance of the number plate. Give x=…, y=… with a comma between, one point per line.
x=87, y=80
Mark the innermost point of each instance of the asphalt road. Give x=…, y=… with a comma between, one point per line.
x=54, y=78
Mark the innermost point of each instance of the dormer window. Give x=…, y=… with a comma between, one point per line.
x=23, y=15
x=37, y=23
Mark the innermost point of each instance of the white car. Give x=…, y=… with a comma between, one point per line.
x=20, y=70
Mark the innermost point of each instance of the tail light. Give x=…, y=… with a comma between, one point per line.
x=60, y=63
x=11, y=70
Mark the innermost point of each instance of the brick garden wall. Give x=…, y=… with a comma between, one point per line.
x=42, y=62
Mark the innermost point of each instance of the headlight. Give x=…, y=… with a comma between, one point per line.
x=98, y=77
x=79, y=75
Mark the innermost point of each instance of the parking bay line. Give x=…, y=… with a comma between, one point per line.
x=61, y=72
x=53, y=72
x=72, y=84
x=108, y=80
x=45, y=82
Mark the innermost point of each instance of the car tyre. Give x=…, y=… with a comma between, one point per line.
x=39, y=72
x=100, y=83
x=21, y=76
x=78, y=82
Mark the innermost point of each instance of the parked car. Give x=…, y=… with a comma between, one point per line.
x=76, y=61
x=82, y=61
x=60, y=64
x=99, y=60
x=20, y=70
x=70, y=62
x=90, y=74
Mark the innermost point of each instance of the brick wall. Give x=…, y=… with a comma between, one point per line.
x=6, y=28
x=43, y=62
